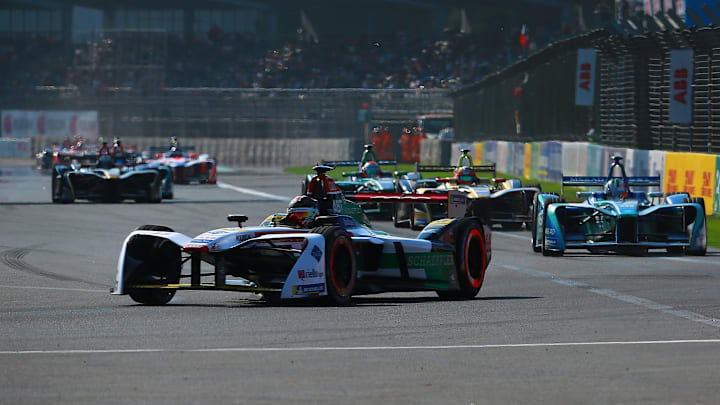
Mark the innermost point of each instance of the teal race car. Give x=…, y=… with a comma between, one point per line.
x=368, y=178
x=619, y=219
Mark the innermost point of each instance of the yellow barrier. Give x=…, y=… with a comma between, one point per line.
x=478, y=153
x=528, y=160
x=691, y=172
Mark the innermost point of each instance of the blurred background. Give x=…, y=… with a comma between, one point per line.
x=278, y=69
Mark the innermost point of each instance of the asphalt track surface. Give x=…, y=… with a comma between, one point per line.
x=576, y=329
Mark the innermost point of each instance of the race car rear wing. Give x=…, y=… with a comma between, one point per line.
x=599, y=181
x=398, y=198
x=356, y=163
x=490, y=168
x=162, y=149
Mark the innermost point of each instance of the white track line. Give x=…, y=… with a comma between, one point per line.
x=512, y=235
x=362, y=348
x=23, y=287
x=253, y=192
x=631, y=299
x=675, y=259
x=681, y=259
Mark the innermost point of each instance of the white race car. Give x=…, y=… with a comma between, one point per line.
x=322, y=247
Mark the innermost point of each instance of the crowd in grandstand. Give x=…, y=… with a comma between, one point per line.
x=218, y=60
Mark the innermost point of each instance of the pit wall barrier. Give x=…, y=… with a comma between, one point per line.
x=242, y=152
x=695, y=173
x=15, y=148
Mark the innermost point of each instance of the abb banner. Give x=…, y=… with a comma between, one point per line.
x=25, y=124
x=585, y=77
x=681, y=75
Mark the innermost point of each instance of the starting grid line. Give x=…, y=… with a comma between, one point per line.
x=361, y=348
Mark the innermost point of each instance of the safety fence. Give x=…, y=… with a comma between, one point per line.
x=244, y=152
x=15, y=148
x=696, y=173
x=639, y=80
x=236, y=113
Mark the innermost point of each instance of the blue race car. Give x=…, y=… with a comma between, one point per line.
x=619, y=219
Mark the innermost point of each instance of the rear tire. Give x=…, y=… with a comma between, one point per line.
x=150, y=296
x=534, y=185
x=470, y=260
x=413, y=225
x=397, y=208
x=340, y=269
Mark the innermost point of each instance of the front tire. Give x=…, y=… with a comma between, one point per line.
x=160, y=263
x=340, y=268
x=533, y=226
x=545, y=250
x=470, y=260
x=703, y=251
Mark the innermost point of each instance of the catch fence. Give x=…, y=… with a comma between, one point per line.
x=237, y=113
x=632, y=95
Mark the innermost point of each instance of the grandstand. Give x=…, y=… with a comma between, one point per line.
x=274, y=43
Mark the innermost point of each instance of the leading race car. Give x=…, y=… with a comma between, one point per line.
x=312, y=250
x=186, y=167
x=619, y=219
x=368, y=178
x=108, y=176
x=502, y=201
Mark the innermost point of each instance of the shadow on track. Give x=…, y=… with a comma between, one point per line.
x=357, y=302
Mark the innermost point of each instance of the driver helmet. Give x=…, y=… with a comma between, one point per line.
x=465, y=175
x=302, y=212
x=371, y=169
x=615, y=188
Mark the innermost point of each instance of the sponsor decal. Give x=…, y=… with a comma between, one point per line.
x=306, y=274
x=201, y=241
x=218, y=232
x=243, y=237
x=681, y=97
x=585, y=76
x=429, y=260
x=316, y=253
x=308, y=289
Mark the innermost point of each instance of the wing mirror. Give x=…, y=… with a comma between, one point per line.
x=655, y=194
x=237, y=218
x=584, y=194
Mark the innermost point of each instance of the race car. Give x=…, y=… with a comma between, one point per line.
x=619, y=219
x=108, y=176
x=368, y=178
x=186, y=167
x=501, y=201
x=314, y=250
x=79, y=151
